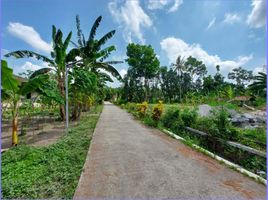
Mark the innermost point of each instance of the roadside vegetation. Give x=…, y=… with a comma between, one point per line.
x=34, y=108
x=52, y=171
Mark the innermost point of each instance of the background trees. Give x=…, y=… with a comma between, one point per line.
x=241, y=76
x=144, y=66
x=186, y=80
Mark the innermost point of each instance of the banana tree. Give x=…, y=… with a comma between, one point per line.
x=259, y=85
x=57, y=62
x=90, y=51
x=13, y=91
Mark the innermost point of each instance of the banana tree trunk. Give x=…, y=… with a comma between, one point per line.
x=15, y=131
x=62, y=93
x=15, y=124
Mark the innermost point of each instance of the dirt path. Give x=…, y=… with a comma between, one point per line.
x=129, y=160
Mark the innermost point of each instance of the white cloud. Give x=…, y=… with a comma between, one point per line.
x=231, y=18
x=257, y=17
x=132, y=18
x=176, y=5
x=123, y=72
x=29, y=35
x=160, y=4
x=3, y=52
x=28, y=66
x=211, y=23
x=259, y=69
x=174, y=47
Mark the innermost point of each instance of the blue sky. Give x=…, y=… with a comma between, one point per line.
x=230, y=33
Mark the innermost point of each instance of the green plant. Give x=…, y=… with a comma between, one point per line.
x=50, y=172
x=149, y=121
x=220, y=118
x=189, y=116
x=171, y=119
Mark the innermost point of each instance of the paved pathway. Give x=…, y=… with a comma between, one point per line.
x=127, y=160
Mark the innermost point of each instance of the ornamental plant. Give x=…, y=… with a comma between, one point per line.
x=157, y=111
x=141, y=108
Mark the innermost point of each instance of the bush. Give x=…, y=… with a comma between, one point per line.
x=130, y=107
x=172, y=120
x=189, y=117
x=157, y=111
x=141, y=108
x=207, y=125
x=220, y=118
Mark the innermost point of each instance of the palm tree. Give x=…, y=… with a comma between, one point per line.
x=57, y=62
x=13, y=91
x=179, y=68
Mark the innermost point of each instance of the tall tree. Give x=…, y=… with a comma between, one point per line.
x=179, y=67
x=241, y=76
x=143, y=64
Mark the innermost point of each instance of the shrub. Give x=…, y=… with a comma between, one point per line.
x=220, y=118
x=189, y=117
x=130, y=107
x=172, y=120
x=157, y=111
x=207, y=125
x=141, y=108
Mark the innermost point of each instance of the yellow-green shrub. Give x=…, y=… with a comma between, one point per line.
x=157, y=111
x=141, y=108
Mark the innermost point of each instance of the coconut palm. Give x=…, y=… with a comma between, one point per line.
x=57, y=62
x=179, y=68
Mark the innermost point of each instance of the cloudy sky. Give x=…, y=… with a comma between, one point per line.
x=229, y=33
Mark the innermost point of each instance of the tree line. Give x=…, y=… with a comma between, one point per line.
x=146, y=80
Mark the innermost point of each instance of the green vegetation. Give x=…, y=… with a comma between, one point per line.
x=218, y=128
x=82, y=65
x=52, y=171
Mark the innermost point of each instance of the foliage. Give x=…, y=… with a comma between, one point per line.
x=141, y=108
x=144, y=66
x=189, y=116
x=259, y=84
x=157, y=111
x=57, y=61
x=171, y=119
x=48, y=172
x=241, y=76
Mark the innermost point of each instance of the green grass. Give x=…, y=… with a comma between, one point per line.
x=52, y=171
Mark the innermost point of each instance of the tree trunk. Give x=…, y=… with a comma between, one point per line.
x=62, y=93
x=15, y=131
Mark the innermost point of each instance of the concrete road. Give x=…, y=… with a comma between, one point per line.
x=128, y=160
